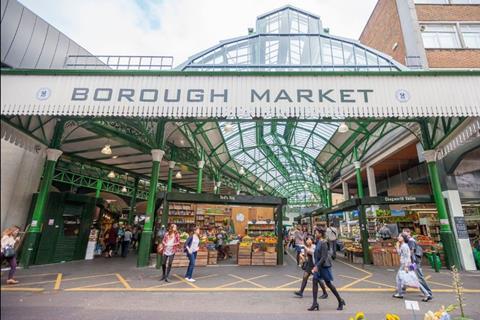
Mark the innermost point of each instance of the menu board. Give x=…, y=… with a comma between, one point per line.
x=461, y=226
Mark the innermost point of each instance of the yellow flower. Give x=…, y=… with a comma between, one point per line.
x=360, y=316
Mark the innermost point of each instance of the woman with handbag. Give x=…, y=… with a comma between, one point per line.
x=9, y=240
x=322, y=270
x=306, y=258
x=168, y=247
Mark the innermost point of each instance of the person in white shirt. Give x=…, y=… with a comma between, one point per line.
x=127, y=239
x=191, y=248
x=331, y=235
x=9, y=241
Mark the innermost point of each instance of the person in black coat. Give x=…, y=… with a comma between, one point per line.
x=323, y=270
x=307, y=266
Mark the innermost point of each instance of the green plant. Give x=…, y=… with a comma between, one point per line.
x=458, y=287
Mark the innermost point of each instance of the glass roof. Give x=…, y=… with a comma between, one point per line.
x=290, y=39
x=280, y=156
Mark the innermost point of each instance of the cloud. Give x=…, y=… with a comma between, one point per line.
x=180, y=28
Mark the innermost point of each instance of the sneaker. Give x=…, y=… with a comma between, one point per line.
x=398, y=296
x=12, y=281
x=191, y=280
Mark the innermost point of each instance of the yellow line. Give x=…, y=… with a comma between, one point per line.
x=428, y=277
x=58, y=282
x=171, y=283
x=288, y=284
x=356, y=268
x=22, y=289
x=361, y=290
x=123, y=281
x=71, y=279
x=237, y=282
x=440, y=284
x=35, y=275
x=355, y=282
x=369, y=281
x=185, y=281
x=248, y=280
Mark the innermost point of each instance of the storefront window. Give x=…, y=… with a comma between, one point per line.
x=440, y=36
x=471, y=35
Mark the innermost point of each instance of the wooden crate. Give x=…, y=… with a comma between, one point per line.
x=395, y=259
x=244, y=262
x=212, y=257
x=377, y=258
x=180, y=260
x=270, y=258
x=258, y=258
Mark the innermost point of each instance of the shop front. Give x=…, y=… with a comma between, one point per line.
x=235, y=230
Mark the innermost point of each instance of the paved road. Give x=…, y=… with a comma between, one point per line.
x=115, y=289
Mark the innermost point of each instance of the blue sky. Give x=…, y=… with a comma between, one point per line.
x=181, y=28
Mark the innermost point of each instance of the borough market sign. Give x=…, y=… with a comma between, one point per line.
x=178, y=96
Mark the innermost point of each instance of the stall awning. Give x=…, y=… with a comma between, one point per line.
x=218, y=95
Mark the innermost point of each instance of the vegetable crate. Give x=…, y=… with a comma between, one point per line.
x=212, y=257
x=245, y=255
x=258, y=258
x=270, y=258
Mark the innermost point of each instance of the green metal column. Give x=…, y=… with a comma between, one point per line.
x=146, y=241
x=328, y=195
x=279, y=212
x=133, y=202
x=98, y=188
x=362, y=215
x=171, y=166
x=446, y=235
x=33, y=233
x=201, y=164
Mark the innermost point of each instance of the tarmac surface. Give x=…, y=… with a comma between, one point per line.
x=116, y=289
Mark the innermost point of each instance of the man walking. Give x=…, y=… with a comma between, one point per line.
x=416, y=254
x=331, y=235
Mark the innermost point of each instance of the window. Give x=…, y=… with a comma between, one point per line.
x=440, y=36
x=447, y=1
x=471, y=35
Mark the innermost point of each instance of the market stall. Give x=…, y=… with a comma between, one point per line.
x=243, y=230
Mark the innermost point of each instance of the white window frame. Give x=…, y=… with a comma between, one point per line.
x=446, y=2
x=458, y=30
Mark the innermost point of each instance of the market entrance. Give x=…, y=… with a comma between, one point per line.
x=234, y=144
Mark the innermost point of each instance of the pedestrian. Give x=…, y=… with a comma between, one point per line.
x=127, y=239
x=10, y=239
x=120, y=234
x=110, y=240
x=405, y=261
x=134, y=238
x=169, y=246
x=299, y=238
x=191, y=249
x=331, y=235
x=307, y=265
x=416, y=253
x=385, y=232
x=220, y=245
x=291, y=237
x=322, y=270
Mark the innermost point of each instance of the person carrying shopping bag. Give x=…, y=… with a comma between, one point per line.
x=10, y=240
x=191, y=249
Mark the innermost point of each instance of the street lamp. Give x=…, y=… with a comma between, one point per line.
x=343, y=128
x=107, y=150
x=111, y=174
x=241, y=171
x=178, y=175
x=124, y=189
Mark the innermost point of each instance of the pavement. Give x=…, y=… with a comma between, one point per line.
x=116, y=289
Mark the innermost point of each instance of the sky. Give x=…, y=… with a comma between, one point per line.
x=181, y=28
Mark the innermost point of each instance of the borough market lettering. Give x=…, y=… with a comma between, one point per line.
x=212, y=95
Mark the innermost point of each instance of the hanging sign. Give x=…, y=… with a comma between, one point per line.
x=241, y=96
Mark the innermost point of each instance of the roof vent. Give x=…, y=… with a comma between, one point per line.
x=326, y=30
x=250, y=31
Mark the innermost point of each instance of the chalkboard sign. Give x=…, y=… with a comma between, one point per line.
x=461, y=226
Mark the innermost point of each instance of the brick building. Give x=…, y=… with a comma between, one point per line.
x=427, y=34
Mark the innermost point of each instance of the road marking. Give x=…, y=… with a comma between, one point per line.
x=123, y=281
x=355, y=282
x=97, y=285
x=356, y=268
x=248, y=280
x=58, y=282
x=428, y=277
x=176, y=282
x=369, y=281
x=185, y=280
x=70, y=279
x=242, y=280
x=288, y=284
x=35, y=275
x=440, y=284
x=22, y=289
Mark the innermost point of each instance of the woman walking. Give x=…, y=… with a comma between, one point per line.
x=323, y=270
x=191, y=249
x=169, y=246
x=9, y=240
x=307, y=265
x=110, y=240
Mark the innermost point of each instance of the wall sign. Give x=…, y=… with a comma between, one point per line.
x=241, y=96
x=461, y=226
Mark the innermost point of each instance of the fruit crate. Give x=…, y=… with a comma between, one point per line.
x=258, y=258
x=212, y=257
x=270, y=258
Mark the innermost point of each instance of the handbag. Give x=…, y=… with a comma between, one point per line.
x=160, y=248
x=9, y=252
x=409, y=279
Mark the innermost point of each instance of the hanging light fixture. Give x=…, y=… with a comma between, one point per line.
x=182, y=142
x=309, y=171
x=260, y=188
x=114, y=157
x=124, y=189
x=238, y=192
x=343, y=127
x=106, y=149
x=228, y=127
x=178, y=175
x=111, y=174
x=241, y=171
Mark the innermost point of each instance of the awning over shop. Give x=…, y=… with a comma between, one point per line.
x=199, y=95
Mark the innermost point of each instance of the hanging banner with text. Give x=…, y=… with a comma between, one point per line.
x=241, y=96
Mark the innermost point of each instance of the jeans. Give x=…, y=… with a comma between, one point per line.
x=125, y=245
x=333, y=248
x=423, y=282
x=167, y=264
x=191, y=257
x=12, y=262
x=400, y=286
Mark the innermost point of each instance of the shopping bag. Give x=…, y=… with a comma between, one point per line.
x=409, y=279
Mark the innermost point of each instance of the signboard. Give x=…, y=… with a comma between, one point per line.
x=412, y=305
x=461, y=226
x=398, y=213
x=181, y=95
